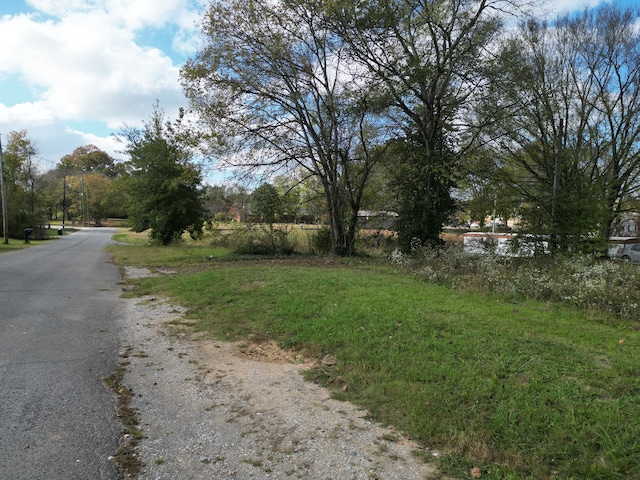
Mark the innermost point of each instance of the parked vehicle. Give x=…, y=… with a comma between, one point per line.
x=630, y=252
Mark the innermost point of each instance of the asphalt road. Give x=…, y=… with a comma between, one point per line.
x=59, y=304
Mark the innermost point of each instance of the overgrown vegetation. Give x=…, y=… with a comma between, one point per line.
x=517, y=388
x=126, y=457
x=587, y=282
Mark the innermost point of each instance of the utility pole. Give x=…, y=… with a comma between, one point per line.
x=5, y=215
x=64, y=199
x=84, y=203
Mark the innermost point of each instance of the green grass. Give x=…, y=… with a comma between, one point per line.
x=142, y=254
x=521, y=390
x=132, y=238
x=15, y=244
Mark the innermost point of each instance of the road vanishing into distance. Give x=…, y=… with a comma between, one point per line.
x=59, y=305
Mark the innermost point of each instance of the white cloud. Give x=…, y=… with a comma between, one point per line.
x=556, y=7
x=29, y=113
x=86, y=66
x=83, y=61
x=132, y=14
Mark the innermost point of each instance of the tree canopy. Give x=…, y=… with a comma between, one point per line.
x=274, y=86
x=162, y=183
x=568, y=140
x=89, y=159
x=22, y=183
x=311, y=85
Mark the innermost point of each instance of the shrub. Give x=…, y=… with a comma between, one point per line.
x=321, y=241
x=255, y=239
x=583, y=281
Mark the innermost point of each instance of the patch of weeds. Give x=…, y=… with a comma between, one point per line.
x=126, y=352
x=383, y=448
x=160, y=461
x=390, y=437
x=126, y=458
x=134, y=433
x=353, y=426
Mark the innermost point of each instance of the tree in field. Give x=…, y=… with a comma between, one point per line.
x=93, y=197
x=217, y=202
x=92, y=191
x=428, y=59
x=162, y=183
x=609, y=42
x=569, y=142
x=266, y=202
x=289, y=194
x=89, y=159
x=275, y=88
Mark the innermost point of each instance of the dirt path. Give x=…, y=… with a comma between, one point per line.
x=227, y=410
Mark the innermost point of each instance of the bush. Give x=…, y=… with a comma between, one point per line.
x=255, y=239
x=22, y=219
x=321, y=241
x=583, y=281
x=375, y=242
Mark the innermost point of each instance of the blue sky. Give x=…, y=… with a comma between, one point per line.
x=73, y=72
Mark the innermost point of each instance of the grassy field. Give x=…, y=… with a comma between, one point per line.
x=518, y=389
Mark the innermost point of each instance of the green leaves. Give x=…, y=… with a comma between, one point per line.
x=162, y=183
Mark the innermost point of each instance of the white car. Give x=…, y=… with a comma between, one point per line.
x=629, y=252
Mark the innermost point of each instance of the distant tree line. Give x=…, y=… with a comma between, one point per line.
x=80, y=188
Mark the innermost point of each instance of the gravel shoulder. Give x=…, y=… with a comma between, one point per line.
x=233, y=410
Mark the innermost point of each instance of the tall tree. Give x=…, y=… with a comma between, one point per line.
x=21, y=175
x=92, y=192
x=570, y=138
x=266, y=202
x=609, y=44
x=89, y=159
x=427, y=58
x=162, y=182
x=21, y=170
x=273, y=82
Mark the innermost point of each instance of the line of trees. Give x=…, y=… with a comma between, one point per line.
x=426, y=103
x=157, y=188
x=80, y=188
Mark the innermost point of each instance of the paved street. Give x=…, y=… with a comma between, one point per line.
x=59, y=303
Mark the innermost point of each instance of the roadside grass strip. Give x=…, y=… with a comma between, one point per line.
x=512, y=389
